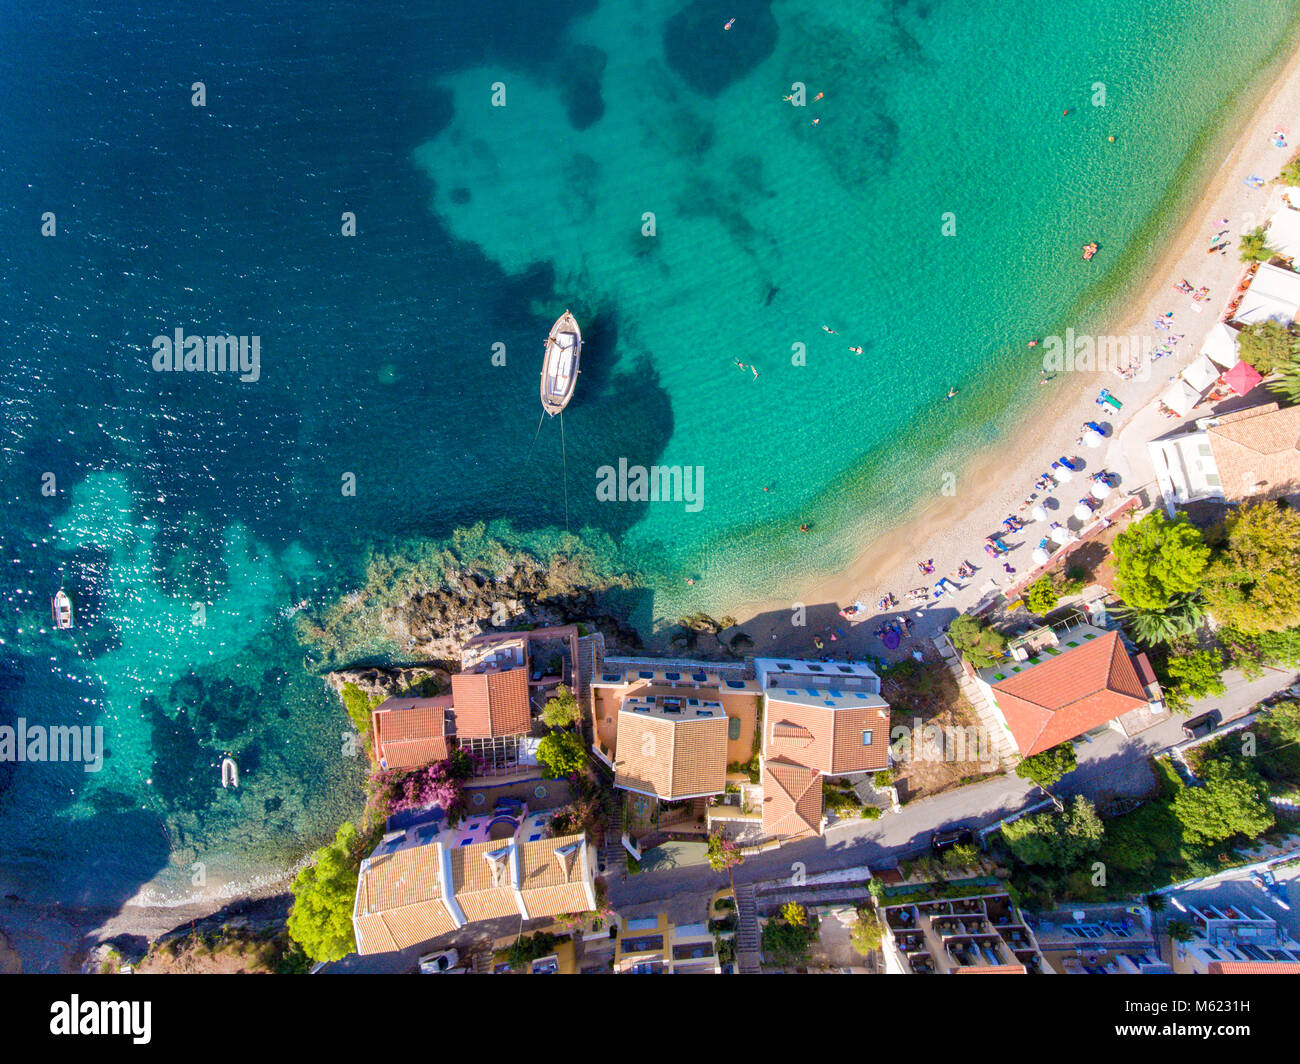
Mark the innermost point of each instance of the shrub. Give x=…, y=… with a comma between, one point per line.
x=867, y=933
x=1155, y=559
x=359, y=706
x=1049, y=766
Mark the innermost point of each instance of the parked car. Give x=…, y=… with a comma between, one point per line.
x=946, y=840
x=1201, y=726
x=439, y=963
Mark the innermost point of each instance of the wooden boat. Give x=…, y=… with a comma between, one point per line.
x=61, y=609
x=560, y=364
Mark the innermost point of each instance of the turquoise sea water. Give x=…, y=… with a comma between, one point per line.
x=476, y=226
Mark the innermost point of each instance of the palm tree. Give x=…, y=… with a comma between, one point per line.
x=1182, y=617
x=1254, y=246
x=1287, y=384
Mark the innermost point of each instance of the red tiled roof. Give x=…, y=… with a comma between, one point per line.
x=828, y=739
x=1254, y=968
x=411, y=732
x=792, y=800
x=1071, y=693
x=491, y=703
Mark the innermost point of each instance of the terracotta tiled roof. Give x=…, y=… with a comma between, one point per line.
x=792, y=799
x=1071, y=693
x=1254, y=968
x=399, y=900
x=555, y=876
x=491, y=703
x=1257, y=452
x=671, y=759
x=828, y=739
x=411, y=732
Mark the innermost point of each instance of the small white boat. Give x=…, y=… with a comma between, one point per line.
x=61, y=609
x=229, y=772
x=560, y=364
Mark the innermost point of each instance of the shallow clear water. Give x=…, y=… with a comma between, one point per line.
x=476, y=226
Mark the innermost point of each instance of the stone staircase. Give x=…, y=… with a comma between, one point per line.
x=612, y=854
x=748, y=958
x=985, y=713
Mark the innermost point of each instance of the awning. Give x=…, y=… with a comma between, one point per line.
x=1242, y=378
x=1201, y=374
x=1284, y=233
x=1220, y=346
x=1273, y=295
x=1180, y=397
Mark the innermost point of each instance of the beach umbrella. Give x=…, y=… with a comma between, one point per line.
x=1082, y=512
x=1063, y=474
x=891, y=639
x=1100, y=490
x=1091, y=439
x=1040, y=556
x=1061, y=534
x=1242, y=378
x=1038, y=513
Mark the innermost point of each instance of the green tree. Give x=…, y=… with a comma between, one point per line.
x=1266, y=345
x=1041, y=596
x=1255, y=247
x=1251, y=584
x=323, y=896
x=867, y=933
x=724, y=855
x=562, y=710
x=1232, y=802
x=1057, y=839
x=1180, y=930
x=562, y=753
x=1192, y=674
x=976, y=642
x=1156, y=559
x=1182, y=618
x=1287, y=383
x=1290, y=174
x=1049, y=766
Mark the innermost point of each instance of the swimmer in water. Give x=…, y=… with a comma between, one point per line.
x=1033, y=343
x=730, y=22
x=816, y=121
x=827, y=328
x=951, y=393
x=818, y=96
x=856, y=350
